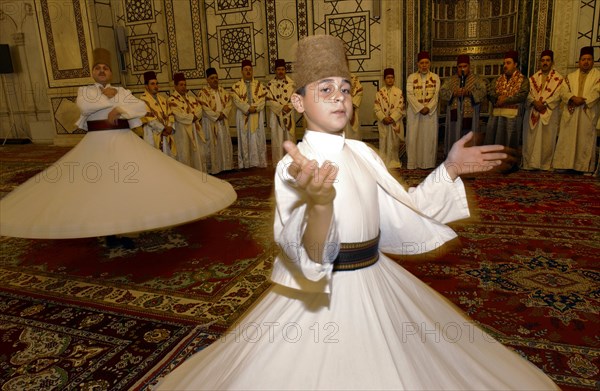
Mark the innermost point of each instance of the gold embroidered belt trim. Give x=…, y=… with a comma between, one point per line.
x=104, y=124
x=354, y=256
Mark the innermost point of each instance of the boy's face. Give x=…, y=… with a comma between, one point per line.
x=326, y=105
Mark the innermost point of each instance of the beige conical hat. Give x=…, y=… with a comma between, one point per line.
x=318, y=57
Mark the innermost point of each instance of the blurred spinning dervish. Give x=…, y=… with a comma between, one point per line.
x=112, y=182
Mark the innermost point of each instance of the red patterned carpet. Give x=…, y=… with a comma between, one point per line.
x=78, y=314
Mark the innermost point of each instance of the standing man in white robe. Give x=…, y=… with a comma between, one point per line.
x=189, y=137
x=249, y=97
x=389, y=109
x=422, y=93
x=282, y=121
x=576, y=145
x=158, y=121
x=542, y=115
x=216, y=105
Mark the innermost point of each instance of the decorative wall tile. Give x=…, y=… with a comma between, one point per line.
x=144, y=53
x=139, y=11
x=236, y=43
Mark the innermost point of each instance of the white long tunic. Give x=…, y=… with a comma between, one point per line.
x=540, y=130
x=377, y=328
x=214, y=102
x=575, y=148
x=112, y=182
x=252, y=141
x=389, y=102
x=422, y=130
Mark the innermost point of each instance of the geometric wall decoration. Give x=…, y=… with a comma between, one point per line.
x=139, y=11
x=66, y=46
x=228, y=6
x=184, y=37
x=144, y=53
x=236, y=43
x=353, y=29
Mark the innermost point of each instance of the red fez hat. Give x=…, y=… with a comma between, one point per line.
x=150, y=75
x=463, y=59
x=512, y=54
x=280, y=62
x=423, y=55
x=548, y=53
x=388, y=71
x=210, y=72
x=177, y=77
x=587, y=50
x=246, y=63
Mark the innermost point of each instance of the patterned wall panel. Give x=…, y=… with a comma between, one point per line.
x=588, y=28
x=139, y=12
x=235, y=31
x=236, y=43
x=144, y=53
x=183, y=20
x=286, y=24
x=67, y=46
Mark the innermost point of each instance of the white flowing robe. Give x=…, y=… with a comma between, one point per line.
x=252, y=141
x=376, y=328
x=389, y=102
x=283, y=126
x=189, y=135
x=540, y=130
x=214, y=102
x=112, y=182
x=576, y=145
x=422, y=130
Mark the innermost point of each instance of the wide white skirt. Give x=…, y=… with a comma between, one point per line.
x=112, y=182
x=381, y=328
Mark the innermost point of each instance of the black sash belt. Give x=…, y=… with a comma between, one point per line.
x=353, y=256
x=104, y=124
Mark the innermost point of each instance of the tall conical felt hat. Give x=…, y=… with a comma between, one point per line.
x=101, y=56
x=318, y=57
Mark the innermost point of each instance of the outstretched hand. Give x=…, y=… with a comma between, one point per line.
x=469, y=160
x=316, y=181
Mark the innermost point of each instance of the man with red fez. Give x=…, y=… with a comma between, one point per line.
x=282, y=121
x=507, y=93
x=158, y=121
x=352, y=130
x=422, y=93
x=389, y=110
x=463, y=94
x=542, y=115
x=216, y=105
x=250, y=97
x=576, y=145
x=189, y=136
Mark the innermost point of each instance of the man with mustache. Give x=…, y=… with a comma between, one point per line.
x=507, y=94
x=464, y=94
x=542, y=116
x=576, y=145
